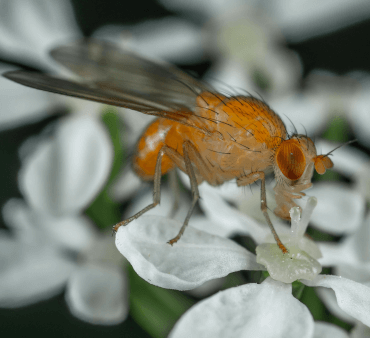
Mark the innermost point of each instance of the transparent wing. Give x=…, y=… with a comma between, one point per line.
x=120, y=78
x=122, y=72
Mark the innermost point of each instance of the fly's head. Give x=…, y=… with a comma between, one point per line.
x=294, y=162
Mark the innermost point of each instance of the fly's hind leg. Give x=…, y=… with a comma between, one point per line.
x=157, y=187
x=190, y=154
x=251, y=178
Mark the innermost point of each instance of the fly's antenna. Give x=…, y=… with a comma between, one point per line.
x=342, y=145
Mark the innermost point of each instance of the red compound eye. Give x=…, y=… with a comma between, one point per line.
x=291, y=160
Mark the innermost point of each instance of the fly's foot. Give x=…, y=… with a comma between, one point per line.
x=173, y=240
x=116, y=227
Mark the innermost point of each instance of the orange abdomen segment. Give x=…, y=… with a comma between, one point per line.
x=148, y=147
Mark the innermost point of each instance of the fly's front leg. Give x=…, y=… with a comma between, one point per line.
x=251, y=178
x=156, y=191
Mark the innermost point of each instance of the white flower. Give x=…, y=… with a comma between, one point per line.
x=168, y=39
x=269, y=310
x=59, y=179
x=245, y=36
x=201, y=256
x=28, y=30
x=299, y=20
x=328, y=98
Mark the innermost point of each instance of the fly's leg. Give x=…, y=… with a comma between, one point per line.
x=174, y=184
x=156, y=191
x=251, y=178
x=190, y=153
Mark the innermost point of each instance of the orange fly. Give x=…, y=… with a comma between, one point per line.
x=209, y=136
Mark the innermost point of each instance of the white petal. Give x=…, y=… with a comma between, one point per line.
x=360, y=117
x=220, y=212
x=229, y=190
x=21, y=105
x=164, y=208
x=104, y=251
x=360, y=331
x=71, y=232
x=330, y=301
x=326, y=330
x=65, y=174
x=334, y=254
x=207, y=288
x=125, y=185
x=30, y=273
x=358, y=243
x=362, y=180
x=283, y=69
x=357, y=271
x=253, y=310
x=195, y=259
x=135, y=124
x=352, y=297
x=301, y=20
x=210, y=8
x=227, y=74
x=98, y=295
x=28, y=30
x=303, y=111
x=205, y=224
x=339, y=210
x=169, y=39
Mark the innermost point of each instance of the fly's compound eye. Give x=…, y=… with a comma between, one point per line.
x=322, y=162
x=291, y=160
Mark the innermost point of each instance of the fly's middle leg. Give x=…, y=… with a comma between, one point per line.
x=185, y=162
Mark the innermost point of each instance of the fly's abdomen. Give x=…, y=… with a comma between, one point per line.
x=148, y=147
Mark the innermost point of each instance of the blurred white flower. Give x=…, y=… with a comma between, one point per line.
x=351, y=259
x=59, y=179
x=244, y=34
x=266, y=310
x=168, y=39
x=329, y=97
x=297, y=19
x=250, y=39
x=28, y=30
x=304, y=19
x=22, y=105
